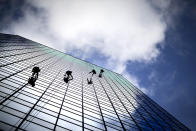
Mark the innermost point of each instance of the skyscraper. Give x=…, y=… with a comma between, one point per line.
x=108, y=102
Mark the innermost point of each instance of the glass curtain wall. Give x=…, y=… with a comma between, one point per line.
x=109, y=103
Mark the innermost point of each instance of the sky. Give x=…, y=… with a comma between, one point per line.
x=150, y=42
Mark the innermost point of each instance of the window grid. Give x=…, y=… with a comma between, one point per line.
x=110, y=103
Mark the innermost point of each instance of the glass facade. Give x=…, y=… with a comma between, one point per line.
x=109, y=103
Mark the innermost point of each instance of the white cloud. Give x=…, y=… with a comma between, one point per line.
x=122, y=30
x=135, y=82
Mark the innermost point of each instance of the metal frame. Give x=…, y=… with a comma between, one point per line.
x=110, y=103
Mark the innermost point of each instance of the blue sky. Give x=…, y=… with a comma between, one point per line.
x=151, y=42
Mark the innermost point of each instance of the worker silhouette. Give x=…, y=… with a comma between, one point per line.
x=101, y=73
x=34, y=76
x=31, y=81
x=68, y=76
x=93, y=72
x=89, y=81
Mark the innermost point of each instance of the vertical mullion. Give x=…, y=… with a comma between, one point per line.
x=13, y=94
x=99, y=108
x=124, y=105
x=22, y=53
x=161, y=109
x=42, y=107
x=152, y=109
x=82, y=104
x=140, y=105
x=20, y=49
x=36, y=103
x=112, y=106
x=60, y=108
x=26, y=68
x=25, y=59
x=23, y=85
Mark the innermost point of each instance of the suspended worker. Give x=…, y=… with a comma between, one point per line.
x=35, y=71
x=68, y=76
x=101, y=72
x=89, y=80
x=93, y=72
x=34, y=76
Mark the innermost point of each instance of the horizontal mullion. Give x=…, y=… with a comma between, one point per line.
x=21, y=49
x=40, y=50
x=24, y=59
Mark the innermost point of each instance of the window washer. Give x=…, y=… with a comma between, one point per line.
x=101, y=73
x=90, y=81
x=93, y=72
x=35, y=71
x=68, y=76
x=34, y=77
